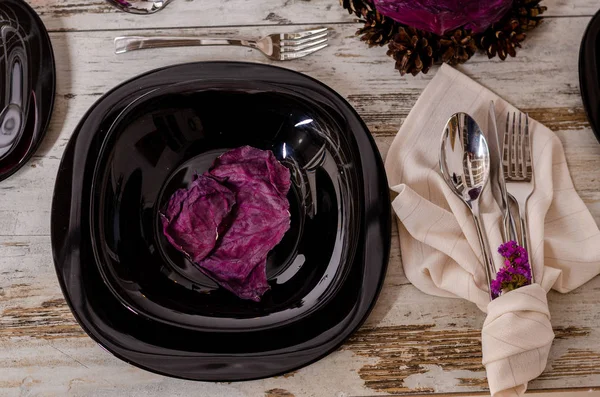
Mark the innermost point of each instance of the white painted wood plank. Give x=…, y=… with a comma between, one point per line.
x=98, y=15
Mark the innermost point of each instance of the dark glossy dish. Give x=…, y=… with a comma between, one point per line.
x=28, y=84
x=589, y=73
x=141, y=299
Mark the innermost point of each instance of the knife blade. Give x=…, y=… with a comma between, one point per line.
x=497, y=176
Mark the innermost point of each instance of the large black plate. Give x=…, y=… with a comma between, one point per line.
x=28, y=84
x=141, y=299
x=589, y=73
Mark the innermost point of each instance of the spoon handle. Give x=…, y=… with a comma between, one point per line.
x=485, y=249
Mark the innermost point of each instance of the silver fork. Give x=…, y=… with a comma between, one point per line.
x=517, y=165
x=279, y=46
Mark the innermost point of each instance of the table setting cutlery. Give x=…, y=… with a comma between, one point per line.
x=465, y=165
x=517, y=166
x=143, y=7
x=464, y=140
x=448, y=214
x=277, y=47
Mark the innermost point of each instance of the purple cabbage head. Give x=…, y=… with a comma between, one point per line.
x=257, y=224
x=229, y=219
x=440, y=16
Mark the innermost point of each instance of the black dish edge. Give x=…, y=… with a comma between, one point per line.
x=44, y=128
x=587, y=50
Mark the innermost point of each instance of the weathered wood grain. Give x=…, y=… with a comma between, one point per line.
x=412, y=356
x=98, y=15
x=411, y=343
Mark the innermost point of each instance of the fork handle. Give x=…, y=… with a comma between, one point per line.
x=509, y=230
x=524, y=240
x=125, y=44
x=488, y=266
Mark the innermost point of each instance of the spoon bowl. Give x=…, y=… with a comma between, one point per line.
x=465, y=158
x=465, y=166
x=140, y=6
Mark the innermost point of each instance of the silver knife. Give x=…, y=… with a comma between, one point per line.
x=497, y=177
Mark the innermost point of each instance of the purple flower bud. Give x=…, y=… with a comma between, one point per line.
x=516, y=271
x=496, y=286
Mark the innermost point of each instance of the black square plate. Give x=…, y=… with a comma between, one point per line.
x=144, y=301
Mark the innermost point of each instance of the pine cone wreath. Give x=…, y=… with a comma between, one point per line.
x=528, y=13
x=502, y=41
x=412, y=50
x=415, y=51
x=457, y=47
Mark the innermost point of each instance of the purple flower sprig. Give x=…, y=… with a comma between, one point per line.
x=515, y=273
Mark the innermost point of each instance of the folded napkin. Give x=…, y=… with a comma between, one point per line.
x=440, y=249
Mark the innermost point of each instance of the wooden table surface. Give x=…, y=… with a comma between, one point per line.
x=411, y=343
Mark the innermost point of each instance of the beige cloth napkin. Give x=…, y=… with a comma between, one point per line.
x=439, y=245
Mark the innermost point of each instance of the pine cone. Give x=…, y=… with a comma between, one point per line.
x=412, y=51
x=502, y=41
x=360, y=8
x=528, y=13
x=457, y=47
x=378, y=29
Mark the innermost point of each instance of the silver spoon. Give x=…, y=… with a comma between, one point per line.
x=465, y=166
x=140, y=6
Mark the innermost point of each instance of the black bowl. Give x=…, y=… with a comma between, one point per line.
x=141, y=298
x=29, y=82
x=589, y=73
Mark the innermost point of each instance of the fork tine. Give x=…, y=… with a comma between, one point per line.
x=516, y=155
x=522, y=161
x=286, y=56
x=304, y=40
x=290, y=48
x=521, y=149
x=528, y=154
x=506, y=148
x=517, y=140
x=303, y=34
x=513, y=148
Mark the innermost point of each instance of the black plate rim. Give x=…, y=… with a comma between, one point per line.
x=592, y=28
x=384, y=223
x=44, y=128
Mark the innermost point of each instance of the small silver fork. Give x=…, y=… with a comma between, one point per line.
x=278, y=47
x=517, y=165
